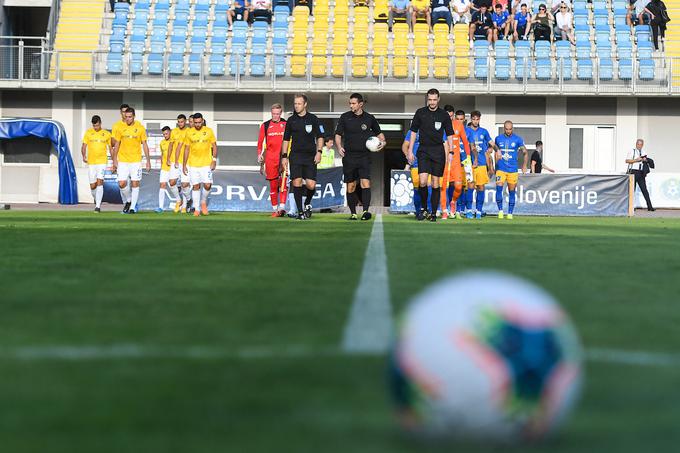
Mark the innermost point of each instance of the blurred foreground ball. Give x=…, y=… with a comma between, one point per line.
x=485, y=356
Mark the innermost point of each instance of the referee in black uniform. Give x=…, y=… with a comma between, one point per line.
x=355, y=127
x=431, y=123
x=305, y=135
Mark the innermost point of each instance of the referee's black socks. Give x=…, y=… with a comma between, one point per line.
x=423, y=196
x=310, y=195
x=297, y=194
x=366, y=198
x=435, y=199
x=352, y=201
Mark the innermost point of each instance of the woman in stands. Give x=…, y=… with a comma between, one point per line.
x=564, y=23
x=542, y=23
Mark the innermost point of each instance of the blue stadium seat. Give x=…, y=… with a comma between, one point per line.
x=221, y=8
x=179, y=31
x=646, y=69
x=136, y=63
x=219, y=34
x=114, y=63
x=199, y=33
x=606, y=69
x=216, y=65
x=142, y=5
x=181, y=17
x=137, y=44
x=481, y=48
x=202, y=5
x=257, y=60
x=581, y=20
x=195, y=63
x=116, y=46
x=121, y=7
x=580, y=5
x=543, y=69
x=201, y=17
x=218, y=48
x=581, y=12
x=624, y=50
x=522, y=67
x=176, y=64
x=582, y=49
x=602, y=29
x=160, y=18
x=141, y=18
x=182, y=5
x=644, y=49
x=120, y=20
x=158, y=34
x=162, y=5
x=623, y=36
x=502, y=67
x=563, y=49
x=620, y=23
x=502, y=49
x=564, y=67
x=626, y=69
x=237, y=64
x=620, y=11
x=118, y=35
x=603, y=51
x=620, y=4
x=197, y=46
x=642, y=32
x=602, y=39
x=542, y=49
x=584, y=69
x=599, y=4
x=154, y=64
x=481, y=68
x=178, y=44
x=139, y=30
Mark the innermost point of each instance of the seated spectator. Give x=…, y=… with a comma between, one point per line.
x=461, y=11
x=504, y=4
x=481, y=24
x=564, y=23
x=399, y=8
x=420, y=8
x=476, y=5
x=542, y=24
x=441, y=9
x=636, y=13
x=238, y=11
x=501, y=23
x=521, y=23
x=261, y=8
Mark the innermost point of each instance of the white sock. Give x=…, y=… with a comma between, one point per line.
x=174, y=192
x=135, y=197
x=99, y=194
x=186, y=191
x=282, y=206
x=94, y=193
x=196, y=196
x=161, y=198
x=125, y=194
x=205, y=193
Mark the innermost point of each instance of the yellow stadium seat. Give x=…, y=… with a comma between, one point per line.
x=379, y=48
x=341, y=6
x=338, y=62
x=380, y=9
x=300, y=12
x=319, y=65
x=298, y=61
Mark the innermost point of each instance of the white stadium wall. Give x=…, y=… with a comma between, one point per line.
x=601, y=129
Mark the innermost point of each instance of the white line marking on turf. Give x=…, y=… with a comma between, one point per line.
x=138, y=351
x=369, y=327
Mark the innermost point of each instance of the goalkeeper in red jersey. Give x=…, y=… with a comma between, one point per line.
x=269, y=157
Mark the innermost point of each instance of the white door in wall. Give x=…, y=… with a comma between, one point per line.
x=592, y=149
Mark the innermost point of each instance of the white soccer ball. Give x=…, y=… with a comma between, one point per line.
x=485, y=356
x=373, y=144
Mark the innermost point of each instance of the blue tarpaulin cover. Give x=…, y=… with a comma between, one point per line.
x=54, y=131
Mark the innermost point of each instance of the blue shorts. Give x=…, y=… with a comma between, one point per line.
x=436, y=15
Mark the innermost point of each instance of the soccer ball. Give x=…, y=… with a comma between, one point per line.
x=485, y=356
x=373, y=144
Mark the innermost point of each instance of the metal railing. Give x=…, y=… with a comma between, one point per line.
x=29, y=66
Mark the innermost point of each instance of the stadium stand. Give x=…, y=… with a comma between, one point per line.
x=78, y=33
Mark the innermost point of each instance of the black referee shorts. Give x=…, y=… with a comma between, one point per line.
x=431, y=161
x=302, y=167
x=356, y=166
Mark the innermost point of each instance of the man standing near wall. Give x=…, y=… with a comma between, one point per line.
x=127, y=160
x=636, y=166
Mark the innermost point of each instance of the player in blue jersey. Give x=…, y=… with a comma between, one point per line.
x=467, y=161
x=509, y=146
x=417, y=203
x=483, y=167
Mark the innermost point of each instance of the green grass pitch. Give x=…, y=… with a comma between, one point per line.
x=251, y=287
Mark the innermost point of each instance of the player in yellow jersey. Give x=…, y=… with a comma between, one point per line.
x=200, y=159
x=176, y=155
x=118, y=124
x=95, y=142
x=127, y=159
x=166, y=166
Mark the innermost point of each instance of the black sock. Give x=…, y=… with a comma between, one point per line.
x=423, y=197
x=310, y=195
x=435, y=199
x=297, y=193
x=366, y=198
x=352, y=201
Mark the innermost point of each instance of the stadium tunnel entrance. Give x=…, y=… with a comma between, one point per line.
x=394, y=126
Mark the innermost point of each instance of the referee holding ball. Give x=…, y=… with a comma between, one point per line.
x=432, y=124
x=354, y=128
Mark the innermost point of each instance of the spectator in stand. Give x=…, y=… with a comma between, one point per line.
x=420, y=8
x=476, y=5
x=461, y=11
x=636, y=13
x=261, y=8
x=399, y=8
x=441, y=9
x=542, y=24
x=238, y=11
x=517, y=4
x=501, y=23
x=504, y=4
x=521, y=23
x=482, y=25
x=564, y=23
x=658, y=18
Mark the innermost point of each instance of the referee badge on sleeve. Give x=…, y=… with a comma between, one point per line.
x=321, y=128
x=308, y=128
x=437, y=125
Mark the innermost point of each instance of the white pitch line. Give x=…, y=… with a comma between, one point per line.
x=139, y=351
x=369, y=327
